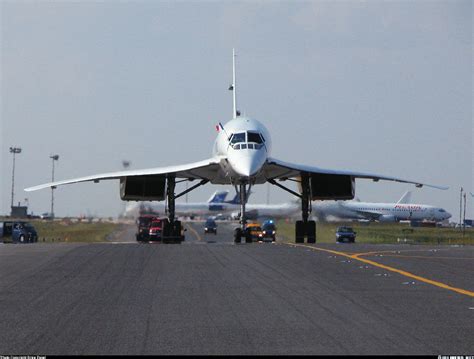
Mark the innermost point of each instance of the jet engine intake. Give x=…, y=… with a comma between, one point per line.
x=143, y=188
x=328, y=186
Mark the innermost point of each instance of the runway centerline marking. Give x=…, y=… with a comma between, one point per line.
x=391, y=269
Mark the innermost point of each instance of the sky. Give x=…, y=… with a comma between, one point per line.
x=380, y=87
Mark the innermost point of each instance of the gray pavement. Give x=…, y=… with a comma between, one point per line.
x=210, y=296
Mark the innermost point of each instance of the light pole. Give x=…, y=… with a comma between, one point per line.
x=14, y=151
x=53, y=158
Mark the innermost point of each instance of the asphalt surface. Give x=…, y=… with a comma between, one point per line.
x=210, y=296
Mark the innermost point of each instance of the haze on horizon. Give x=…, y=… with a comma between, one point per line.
x=382, y=87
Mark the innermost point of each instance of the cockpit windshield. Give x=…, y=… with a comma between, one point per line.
x=244, y=140
x=254, y=137
x=238, y=137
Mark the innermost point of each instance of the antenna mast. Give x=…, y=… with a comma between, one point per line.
x=234, y=114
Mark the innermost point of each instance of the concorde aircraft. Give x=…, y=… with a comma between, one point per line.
x=241, y=157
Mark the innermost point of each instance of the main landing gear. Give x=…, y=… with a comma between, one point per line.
x=172, y=229
x=303, y=228
x=242, y=231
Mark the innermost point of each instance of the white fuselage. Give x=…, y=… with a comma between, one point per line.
x=244, y=144
x=367, y=210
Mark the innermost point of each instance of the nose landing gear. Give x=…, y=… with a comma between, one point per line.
x=242, y=231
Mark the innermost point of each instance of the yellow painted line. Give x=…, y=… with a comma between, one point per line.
x=194, y=232
x=392, y=251
x=391, y=269
x=426, y=257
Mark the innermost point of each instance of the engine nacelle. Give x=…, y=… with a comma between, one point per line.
x=328, y=186
x=387, y=218
x=143, y=188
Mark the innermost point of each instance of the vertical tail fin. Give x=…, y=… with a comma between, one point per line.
x=406, y=198
x=218, y=197
x=236, y=199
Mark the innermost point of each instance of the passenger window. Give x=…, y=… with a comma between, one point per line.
x=243, y=146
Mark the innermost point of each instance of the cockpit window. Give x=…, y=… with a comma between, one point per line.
x=238, y=137
x=254, y=137
x=250, y=146
x=442, y=210
x=243, y=146
x=237, y=147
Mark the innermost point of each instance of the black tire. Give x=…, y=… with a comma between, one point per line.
x=237, y=235
x=311, y=231
x=273, y=239
x=299, y=232
x=248, y=238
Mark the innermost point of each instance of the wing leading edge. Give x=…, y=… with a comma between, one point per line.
x=206, y=169
x=277, y=169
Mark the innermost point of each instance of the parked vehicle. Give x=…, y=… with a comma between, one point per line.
x=156, y=229
x=269, y=230
x=210, y=226
x=255, y=231
x=345, y=233
x=143, y=230
x=18, y=232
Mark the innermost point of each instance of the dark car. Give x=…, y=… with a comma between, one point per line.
x=345, y=233
x=269, y=230
x=210, y=226
x=18, y=232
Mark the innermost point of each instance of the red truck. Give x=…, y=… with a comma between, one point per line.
x=156, y=229
x=143, y=223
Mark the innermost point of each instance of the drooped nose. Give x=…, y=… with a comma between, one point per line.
x=246, y=164
x=448, y=215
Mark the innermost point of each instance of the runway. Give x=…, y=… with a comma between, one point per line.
x=210, y=296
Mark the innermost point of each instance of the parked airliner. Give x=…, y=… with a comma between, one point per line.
x=382, y=212
x=241, y=157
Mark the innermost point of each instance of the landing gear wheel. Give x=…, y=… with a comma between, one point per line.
x=299, y=232
x=237, y=235
x=311, y=231
x=248, y=237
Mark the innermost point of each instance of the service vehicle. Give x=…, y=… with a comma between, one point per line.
x=345, y=233
x=143, y=230
x=269, y=230
x=210, y=226
x=156, y=229
x=254, y=231
x=18, y=232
